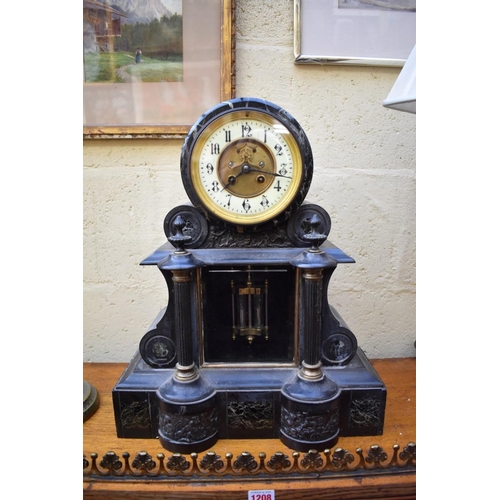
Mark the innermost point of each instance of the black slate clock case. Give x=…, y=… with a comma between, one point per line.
x=248, y=345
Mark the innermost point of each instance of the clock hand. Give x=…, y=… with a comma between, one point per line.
x=253, y=169
x=245, y=168
x=276, y=175
x=232, y=179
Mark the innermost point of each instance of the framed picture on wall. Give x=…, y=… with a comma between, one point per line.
x=354, y=32
x=151, y=68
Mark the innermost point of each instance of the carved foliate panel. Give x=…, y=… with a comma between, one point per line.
x=303, y=426
x=366, y=410
x=250, y=415
x=184, y=428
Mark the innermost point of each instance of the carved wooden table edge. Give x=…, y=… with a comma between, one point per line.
x=376, y=471
x=213, y=467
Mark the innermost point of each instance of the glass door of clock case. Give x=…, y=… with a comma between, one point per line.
x=249, y=315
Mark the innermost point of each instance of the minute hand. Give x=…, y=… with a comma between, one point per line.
x=269, y=173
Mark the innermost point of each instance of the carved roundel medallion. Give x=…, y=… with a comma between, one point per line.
x=194, y=225
x=340, y=347
x=157, y=350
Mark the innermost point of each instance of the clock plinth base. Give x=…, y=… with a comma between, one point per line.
x=249, y=400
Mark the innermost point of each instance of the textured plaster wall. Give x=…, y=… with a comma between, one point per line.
x=364, y=177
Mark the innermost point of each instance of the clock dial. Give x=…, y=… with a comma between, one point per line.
x=250, y=177
x=246, y=166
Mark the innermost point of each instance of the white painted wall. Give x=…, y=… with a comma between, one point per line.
x=364, y=177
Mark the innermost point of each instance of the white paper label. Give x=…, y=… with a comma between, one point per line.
x=261, y=495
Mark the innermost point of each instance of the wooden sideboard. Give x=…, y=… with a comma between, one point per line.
x=99, y=438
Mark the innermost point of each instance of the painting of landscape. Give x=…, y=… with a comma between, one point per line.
x=126, y=41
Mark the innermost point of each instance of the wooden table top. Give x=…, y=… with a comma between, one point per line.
x=99, y=437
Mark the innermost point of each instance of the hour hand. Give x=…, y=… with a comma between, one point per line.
x=232, y=179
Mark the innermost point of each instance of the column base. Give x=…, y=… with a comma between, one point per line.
x=310, y=414
x=305, y=446
x=187, y=448
x=187, y=415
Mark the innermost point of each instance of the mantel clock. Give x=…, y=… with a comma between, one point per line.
x=248, y=345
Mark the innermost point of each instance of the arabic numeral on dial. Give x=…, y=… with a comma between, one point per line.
x=228, y=196
x=246, y=206
x=228, y=135
x=278, y=186
x=283, y=170
x=215, y=187
x=279, y=149
x=214, y=148
x=264, y=202
x=246, y=130
x=210, y=169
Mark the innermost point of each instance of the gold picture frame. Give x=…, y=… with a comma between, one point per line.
x=165, y=109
